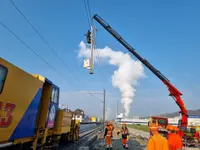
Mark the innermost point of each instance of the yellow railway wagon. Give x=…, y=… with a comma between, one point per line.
x=29, y=109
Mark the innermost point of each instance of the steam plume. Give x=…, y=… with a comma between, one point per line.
x=125, y=77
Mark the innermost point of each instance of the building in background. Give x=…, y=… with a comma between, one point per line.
x=193, y=120
x=88, y=119
x=93, y=119
x=119, y=117
x=98, y=119
x=79, y=115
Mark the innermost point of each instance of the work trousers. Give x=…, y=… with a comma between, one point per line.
x=125, y=142
x=108, y=140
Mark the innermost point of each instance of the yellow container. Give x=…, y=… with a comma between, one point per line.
x=63, y=122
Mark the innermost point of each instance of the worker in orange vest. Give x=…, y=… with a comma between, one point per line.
x=197, y=136
x=108, y=135
x=177, y=130
x=169, y=130
x=125, y=133
x=112, y=128
x=112, y=125
x=174, y=140
x=156, y=141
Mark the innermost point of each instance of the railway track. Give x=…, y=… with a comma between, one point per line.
x=87, y=129
x=86, y=137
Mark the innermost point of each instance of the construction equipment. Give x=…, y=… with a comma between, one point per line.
x=174, y=92
x=161, y=122
x=29, y=112
x=191, y=136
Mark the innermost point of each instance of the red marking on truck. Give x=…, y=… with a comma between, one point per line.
x=6, y=117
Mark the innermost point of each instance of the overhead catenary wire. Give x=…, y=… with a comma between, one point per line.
x=87, y=13
x=48, y=45
x=90, y=22
x=89, y=17
x=45, y=41
x=95, y=97
x=33, y=51
x=97, y=53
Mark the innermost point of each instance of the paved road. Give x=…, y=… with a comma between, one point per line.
x=146, y=135
x=139, y=132
x=134, y=143
x=138, y=141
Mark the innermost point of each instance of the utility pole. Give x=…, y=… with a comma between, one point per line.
x=117, y=107
x=117, y=114
x=92, y=50
x=104, y=107
x=90, y=37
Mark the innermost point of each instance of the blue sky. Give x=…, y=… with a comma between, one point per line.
x=164, y=32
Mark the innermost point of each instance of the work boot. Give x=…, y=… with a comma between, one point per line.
x=107, y=147
x=110, y=146
x=126, y=146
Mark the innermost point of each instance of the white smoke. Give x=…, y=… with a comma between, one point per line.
x=125, y=77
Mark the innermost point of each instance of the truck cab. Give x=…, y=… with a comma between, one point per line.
x=162, y=123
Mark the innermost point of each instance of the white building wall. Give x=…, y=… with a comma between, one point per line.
x=191, y=121
x=78, y=118
x=173, y=121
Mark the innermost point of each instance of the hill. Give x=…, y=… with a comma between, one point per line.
x=175, y=114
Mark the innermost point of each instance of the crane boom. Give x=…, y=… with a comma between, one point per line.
x=174, y=92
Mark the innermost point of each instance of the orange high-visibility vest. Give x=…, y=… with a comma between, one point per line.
x=109, y=131
x=124, y=130
x=157, y=142
x=175, y=142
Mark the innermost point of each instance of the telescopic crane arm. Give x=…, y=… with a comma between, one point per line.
x=175, y=93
